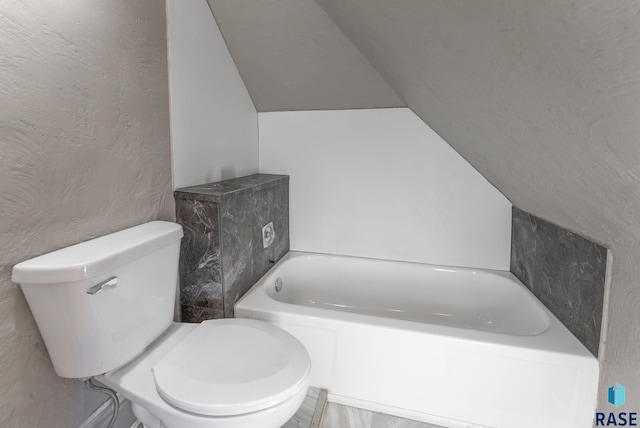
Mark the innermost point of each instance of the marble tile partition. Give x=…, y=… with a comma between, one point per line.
x=565, y=271
x=222, y=254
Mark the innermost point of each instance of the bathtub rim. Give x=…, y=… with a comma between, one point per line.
x=555, y=340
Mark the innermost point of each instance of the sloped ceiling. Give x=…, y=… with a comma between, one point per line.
x=291, y=56
x=543, y=98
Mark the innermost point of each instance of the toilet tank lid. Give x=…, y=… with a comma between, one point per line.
x=97, y=256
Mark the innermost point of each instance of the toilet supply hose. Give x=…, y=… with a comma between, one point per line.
x=112, y=397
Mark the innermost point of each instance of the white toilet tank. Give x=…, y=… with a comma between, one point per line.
x=99, y=303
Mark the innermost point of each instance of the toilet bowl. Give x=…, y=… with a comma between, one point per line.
x=105, y=310
x=207, y=376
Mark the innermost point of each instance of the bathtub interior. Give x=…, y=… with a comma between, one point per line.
x=458, y=297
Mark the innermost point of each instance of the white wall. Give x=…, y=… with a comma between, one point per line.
x=380, y=183
x=214, y=125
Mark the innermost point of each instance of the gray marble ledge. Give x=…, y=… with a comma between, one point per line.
x=213, y=192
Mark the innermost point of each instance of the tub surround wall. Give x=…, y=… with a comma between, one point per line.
x=380, y=183
x=564, y=270
x=222, y=254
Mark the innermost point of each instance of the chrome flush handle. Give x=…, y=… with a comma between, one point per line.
x=106, y=284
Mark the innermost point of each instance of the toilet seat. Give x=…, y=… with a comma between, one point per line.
x=232, y=366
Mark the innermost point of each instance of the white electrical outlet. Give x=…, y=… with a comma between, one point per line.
x=268, y=235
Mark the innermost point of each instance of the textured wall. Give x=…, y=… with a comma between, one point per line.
x=214, y=125
x=293, y=57
x=380, y=183
x=84, y=143
x=543, y=99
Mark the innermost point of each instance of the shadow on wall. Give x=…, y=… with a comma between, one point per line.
x=227, y=172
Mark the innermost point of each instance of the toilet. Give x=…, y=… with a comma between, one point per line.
x=105, y=309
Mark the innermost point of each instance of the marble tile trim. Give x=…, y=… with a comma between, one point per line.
x=565, y=271
x=212, y=192
x=237, y=245
x=222, y=254
x=200, y=261
x=271, y=205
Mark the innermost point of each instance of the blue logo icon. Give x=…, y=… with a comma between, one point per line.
x=616, y=395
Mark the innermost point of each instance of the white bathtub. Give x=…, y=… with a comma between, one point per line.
x=452, y=346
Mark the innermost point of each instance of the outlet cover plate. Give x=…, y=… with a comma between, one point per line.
x=268, y=235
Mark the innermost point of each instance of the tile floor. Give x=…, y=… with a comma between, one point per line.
x=304, y=416
x=338, y=416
